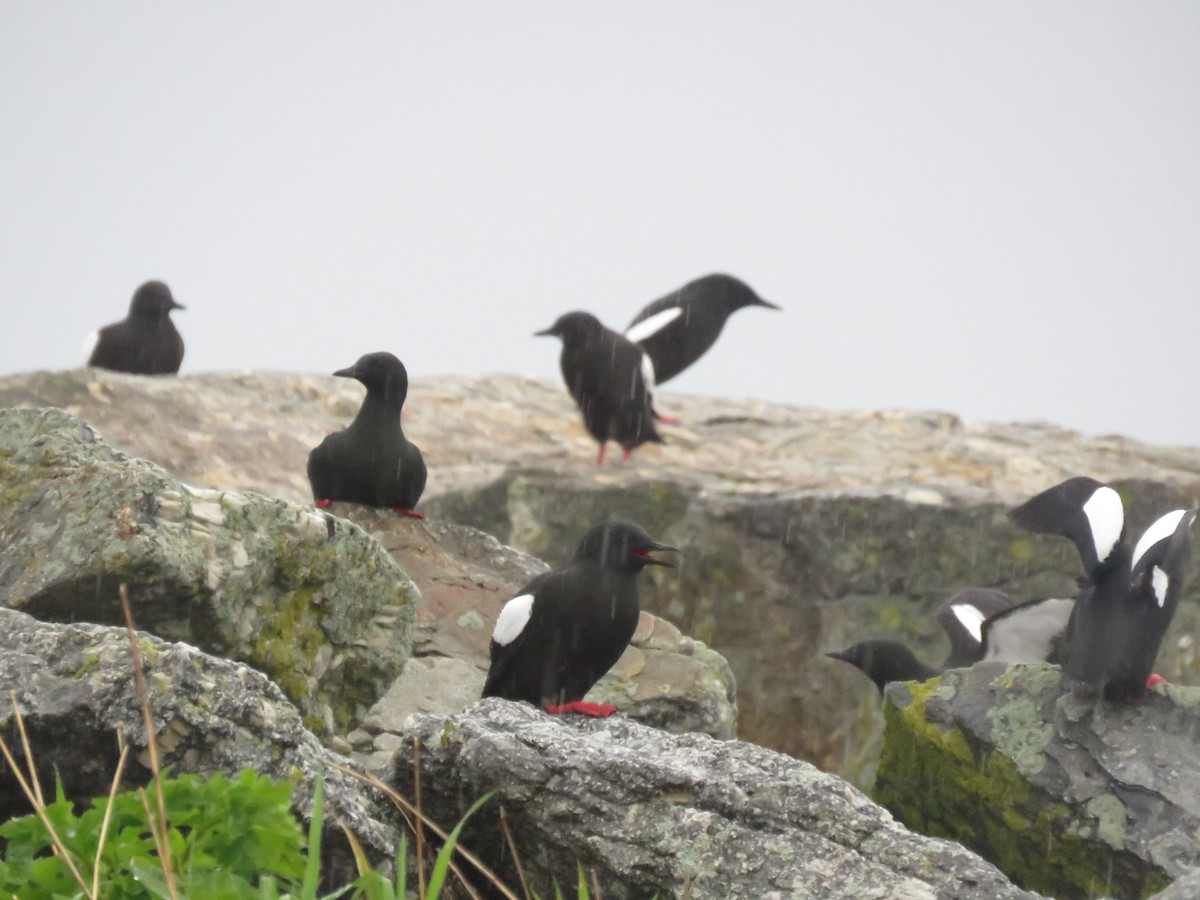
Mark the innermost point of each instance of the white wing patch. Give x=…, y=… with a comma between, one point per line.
x=1164, y=527
x=512, y=619
x=653, y=324
x=1106, y=517
x=648, y=373
x=89, y=346
x=970, y=618
x=1160, y=581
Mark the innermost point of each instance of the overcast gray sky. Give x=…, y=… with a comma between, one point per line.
x=992, y=209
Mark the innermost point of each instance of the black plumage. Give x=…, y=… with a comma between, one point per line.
x=603, y=373
x=1128, y=597
x=371, y=462
x=963, y=617
x=566, y=628
x=676, y=330
x=146, y=341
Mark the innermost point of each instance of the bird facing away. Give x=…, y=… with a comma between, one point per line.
x=1129, y=596
x=962, y=617
x=371, y=462
x=603, y=372
x=145, y=342
x=566, y=628
x=678, y=329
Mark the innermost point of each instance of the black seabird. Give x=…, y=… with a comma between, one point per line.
x=603, y=372
x=1129, y=596
x=371, y=462
x=145, y=342
x=566, y=628
x=962, y=617
x=677, y=329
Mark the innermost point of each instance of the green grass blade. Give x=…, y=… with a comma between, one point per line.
x=442, y=864
x=312, y=866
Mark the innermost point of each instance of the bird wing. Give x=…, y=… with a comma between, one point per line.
x=505, y=652
x=670, y=301
x=1027, y=632
x=1087, y=511
x=962, y=617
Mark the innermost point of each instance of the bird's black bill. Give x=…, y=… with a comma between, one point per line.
x=175, y=305
x=839, y=654
x=547, y=332
x=345, y=373
x=644, y=555
x=767, y=303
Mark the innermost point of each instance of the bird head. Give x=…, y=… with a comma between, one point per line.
x=379, y=372
x=153, y=300
x=572, y=324
x=620, y=545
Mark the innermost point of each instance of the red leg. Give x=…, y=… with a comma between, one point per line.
x=595, y=710
x=1155, y=679
x=667, y=420
x=324, y=504
x=413, y=514
x=600, y=455
x=627, y=455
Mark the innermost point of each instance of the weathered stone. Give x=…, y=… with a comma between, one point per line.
x=1068, y=795
x=803, y=529
x=677, y=816
x=305, y=597
x=75, y=688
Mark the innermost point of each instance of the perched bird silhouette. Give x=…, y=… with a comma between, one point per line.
x=676, y=330
x=371, y=462
x=564, y=630
x=145, y=342
x=603, y=372
x=1129, y=596
x=963, y=617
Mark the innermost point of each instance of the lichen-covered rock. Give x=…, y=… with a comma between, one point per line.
x=677, y=816
x=305, y=597
x=75, y=688
x=1070, y=796
x=803, y=529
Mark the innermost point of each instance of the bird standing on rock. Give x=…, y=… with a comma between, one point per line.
x=371, y=462
x=603, y=372
x=565, y=629
x=145, y=342
x=676, y=330
x=1129, y=596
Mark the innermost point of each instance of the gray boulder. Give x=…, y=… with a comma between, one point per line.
x=1068, y=795
x=804, y=530
x=681, y=816
x=305, y=597
x=75, y=688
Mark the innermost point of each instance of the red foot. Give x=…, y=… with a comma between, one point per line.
x=667, y=420
x=324, y=504
x=595, y=710
x=600, y=456
x=626, y=455
x=1155, y=679
x=411, y=513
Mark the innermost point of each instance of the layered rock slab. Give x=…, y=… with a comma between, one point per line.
x=1068, y=795
x=680, y=816
x=305, y=597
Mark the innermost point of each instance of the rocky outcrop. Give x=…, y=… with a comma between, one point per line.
x=75, y=688
x=1068, y=795
x=803, y=530
x=678, y=816
x=305, y=597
